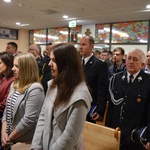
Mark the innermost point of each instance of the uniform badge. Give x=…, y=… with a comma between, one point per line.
x=91, y=62
x=139, y=79
x=123, y=77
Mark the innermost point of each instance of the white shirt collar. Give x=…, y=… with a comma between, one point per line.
x=87, y=58
x=134, y=75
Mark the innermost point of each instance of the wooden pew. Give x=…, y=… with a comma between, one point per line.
x=98, y=137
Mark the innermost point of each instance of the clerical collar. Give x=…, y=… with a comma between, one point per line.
x=87, y=58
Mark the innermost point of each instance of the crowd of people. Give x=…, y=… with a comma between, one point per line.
x=45, y=98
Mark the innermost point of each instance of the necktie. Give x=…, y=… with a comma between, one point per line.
x=131, y=77
x=83, y=61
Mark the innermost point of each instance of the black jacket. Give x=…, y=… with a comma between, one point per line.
x=134, y=108
x=97, y=79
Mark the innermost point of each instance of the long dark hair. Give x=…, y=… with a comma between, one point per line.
x=70, y=72
x=7, y=59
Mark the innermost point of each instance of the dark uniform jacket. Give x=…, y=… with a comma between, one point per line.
x=113, y=69
x=46, y=73
x=131, y=107
x=97, y=79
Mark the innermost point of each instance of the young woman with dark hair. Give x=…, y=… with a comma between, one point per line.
x=66, y=105
x=6, y=78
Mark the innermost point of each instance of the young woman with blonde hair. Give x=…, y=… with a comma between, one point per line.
x=24, y=102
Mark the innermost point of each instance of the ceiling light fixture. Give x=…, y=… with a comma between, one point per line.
x=65, y=16
x=18, y=23
x=22, y=25
x=21, y=4
x=8, y=1
x=148, y=6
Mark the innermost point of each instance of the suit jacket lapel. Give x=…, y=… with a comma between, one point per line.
x=89, y=63
x=124, y=82
x=137, y=82
x=18, y=101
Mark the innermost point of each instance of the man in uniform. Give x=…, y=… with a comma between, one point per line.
x=12, y=48
x=96, y=74
x=129, y=106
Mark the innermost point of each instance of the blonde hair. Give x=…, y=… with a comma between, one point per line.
x=28, y=72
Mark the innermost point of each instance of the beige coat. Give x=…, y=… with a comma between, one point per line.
x=64, y=132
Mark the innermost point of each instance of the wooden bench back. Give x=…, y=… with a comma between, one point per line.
x=98, y=137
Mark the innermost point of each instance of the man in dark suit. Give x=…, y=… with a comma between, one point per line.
x=97, y=78
x=129, y=106
x=46, y=70
x=118, y=62
x=12, y=48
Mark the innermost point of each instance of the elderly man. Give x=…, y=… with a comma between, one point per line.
x=129, y=106
x=35, y=49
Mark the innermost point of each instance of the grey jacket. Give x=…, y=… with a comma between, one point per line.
x=26, y=111
x=61, y=129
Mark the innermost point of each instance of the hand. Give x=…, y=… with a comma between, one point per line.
x=8, y=140
x=96, y=117
x=4, y=140
x=147, y=146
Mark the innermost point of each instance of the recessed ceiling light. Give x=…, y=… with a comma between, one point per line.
x=148, y=6
x=7, y=1
x=18, y=23
x=21, y=4
x=65, y=16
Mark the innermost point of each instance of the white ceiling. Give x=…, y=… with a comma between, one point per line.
x=48, y=13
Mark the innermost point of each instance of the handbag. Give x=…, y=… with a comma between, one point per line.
x=139, y=135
